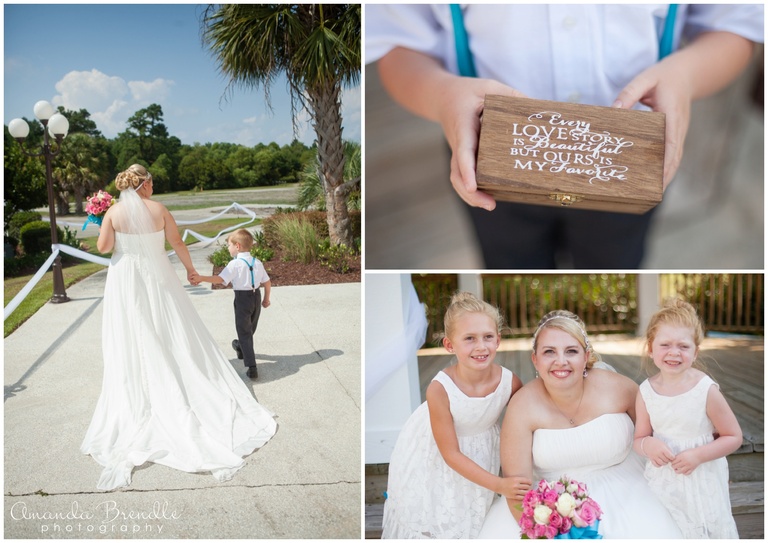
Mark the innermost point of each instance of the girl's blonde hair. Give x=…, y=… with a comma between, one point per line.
x=134, y=176
x=571, y=324
x=465, y=302
x=673, y=312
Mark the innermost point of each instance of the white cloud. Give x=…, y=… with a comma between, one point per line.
x=150, y=92
x=109, y=99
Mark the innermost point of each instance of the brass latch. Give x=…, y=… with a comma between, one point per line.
x=565, y=199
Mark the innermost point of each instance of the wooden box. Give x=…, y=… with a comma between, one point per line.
x=588, y=157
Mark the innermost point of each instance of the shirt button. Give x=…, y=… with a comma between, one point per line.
x=574, y=97
x=569, y=22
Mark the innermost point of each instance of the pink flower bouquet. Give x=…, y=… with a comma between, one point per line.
x=97, y=207
x=560, y=509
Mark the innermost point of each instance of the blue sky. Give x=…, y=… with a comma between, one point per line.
x=116, y=59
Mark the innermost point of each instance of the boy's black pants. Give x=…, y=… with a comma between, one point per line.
x=247, y=311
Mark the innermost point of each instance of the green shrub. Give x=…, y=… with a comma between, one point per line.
x=298, y=239
x=220, y=257
x=318, y=219
x=19, y=219
x=36, y=237
x=23, y=265
x=335, y=257
x=262, y=253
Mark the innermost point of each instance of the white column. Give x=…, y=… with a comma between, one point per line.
x=648, y=289
x=472, y=283
x=388, y=300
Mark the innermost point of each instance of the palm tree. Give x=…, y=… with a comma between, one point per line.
x=311, y=195
x=80, y=168
x=317, y=46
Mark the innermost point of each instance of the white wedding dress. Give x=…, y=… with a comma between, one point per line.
x=598, y=453
x=169, y=394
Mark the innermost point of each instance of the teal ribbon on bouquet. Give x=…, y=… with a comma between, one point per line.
x=589, y=532
x=95, y=219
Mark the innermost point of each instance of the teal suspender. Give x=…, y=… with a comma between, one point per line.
x=467, y=64
x=463, y=55
x=250, y=267
x=668, y=36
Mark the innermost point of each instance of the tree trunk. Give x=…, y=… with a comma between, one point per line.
x=62, y=204
x=326, y=116
x=79, y=197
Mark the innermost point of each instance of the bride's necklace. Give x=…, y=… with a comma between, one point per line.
x=570, y=419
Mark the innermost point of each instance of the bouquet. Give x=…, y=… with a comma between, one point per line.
x=560, y=509
x=97, y=206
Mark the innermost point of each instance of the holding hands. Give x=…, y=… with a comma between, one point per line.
x=514, y=488
x=656, y=451
x=193, y=277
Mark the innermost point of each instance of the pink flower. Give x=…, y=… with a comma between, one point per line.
x=531, y=499
x=590, y=511
x=566, y=526
x=550, y=532
x=526, y=523
x=555, y=519
x=539, y=531
x=543, y=486
x=550, y=498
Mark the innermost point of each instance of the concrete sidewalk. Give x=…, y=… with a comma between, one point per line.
x=305, y=483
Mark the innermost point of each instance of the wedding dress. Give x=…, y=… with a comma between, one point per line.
x=427, y=499
x=598, y=453
x=169, y=394
x=700, y=502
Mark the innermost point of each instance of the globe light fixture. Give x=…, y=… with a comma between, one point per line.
x=55, y=128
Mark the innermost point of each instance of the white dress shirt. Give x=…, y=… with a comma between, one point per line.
x=563, y=52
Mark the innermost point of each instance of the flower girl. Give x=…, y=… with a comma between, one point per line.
x=686, y=428
x=444, y=470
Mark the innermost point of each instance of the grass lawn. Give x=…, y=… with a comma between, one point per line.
x=42, y=292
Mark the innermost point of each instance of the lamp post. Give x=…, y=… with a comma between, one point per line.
x=56, y=125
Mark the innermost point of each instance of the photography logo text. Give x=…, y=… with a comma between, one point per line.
x=108, y=517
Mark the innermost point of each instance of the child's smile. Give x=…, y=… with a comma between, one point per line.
x=673, y=349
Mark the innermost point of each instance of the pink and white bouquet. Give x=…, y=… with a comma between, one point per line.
x=560, y=509
x=97, y=207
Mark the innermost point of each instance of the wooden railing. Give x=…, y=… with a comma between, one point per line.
x=726, y=302
x=608, y=303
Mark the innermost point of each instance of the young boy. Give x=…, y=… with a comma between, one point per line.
x=247, y=274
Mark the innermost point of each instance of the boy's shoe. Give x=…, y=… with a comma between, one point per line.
x=252, y=373
x=238, y=350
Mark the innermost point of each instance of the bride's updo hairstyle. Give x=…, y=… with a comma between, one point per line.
x=132, y=178
x=571, y=324
x=674, y=312
x=464, y=302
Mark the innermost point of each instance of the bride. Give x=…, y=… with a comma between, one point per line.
x=576, y=419
x=169, y=395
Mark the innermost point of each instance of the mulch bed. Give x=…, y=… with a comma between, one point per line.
x=283, y=274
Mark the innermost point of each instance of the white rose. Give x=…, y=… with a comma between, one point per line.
x=541, y=514
x=565, y=505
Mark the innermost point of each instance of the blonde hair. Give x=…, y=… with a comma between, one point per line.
x=673, y=312
x=571, y=324
x=131, y=178
x=243, y=237
x=465, y=302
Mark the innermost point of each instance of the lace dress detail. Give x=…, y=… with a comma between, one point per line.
x=598, y=453
x=425, y=497
x=169, y=394
x=700, y=502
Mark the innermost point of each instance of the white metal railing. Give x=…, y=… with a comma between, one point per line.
x=56, y=249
